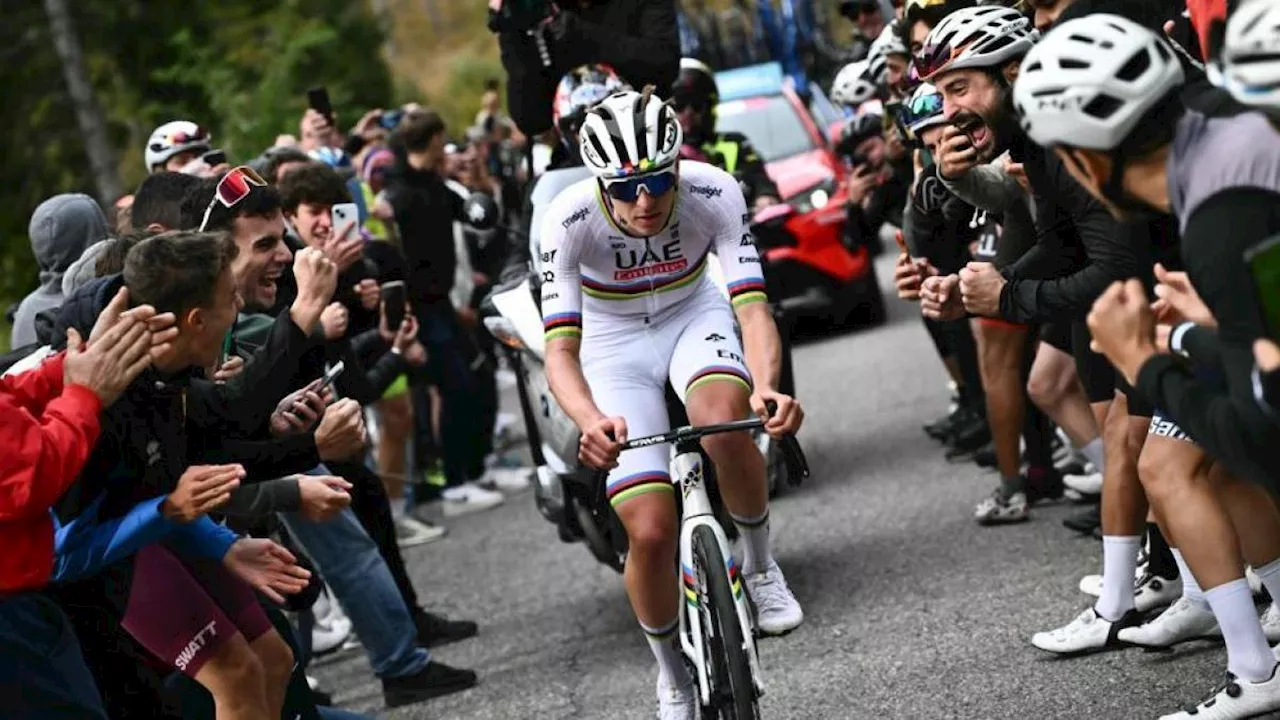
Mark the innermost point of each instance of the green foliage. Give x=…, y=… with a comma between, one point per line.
x=239, y=67
x=461, y=97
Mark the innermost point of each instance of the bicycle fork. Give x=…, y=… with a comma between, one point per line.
x=697, y=511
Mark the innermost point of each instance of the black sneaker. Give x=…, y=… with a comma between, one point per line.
x=1085, y=522
x=942, y=427
x=971, y=432
x=985, y=456
x=435, y=630
x=433, y=680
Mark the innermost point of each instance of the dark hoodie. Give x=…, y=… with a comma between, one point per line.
x=61, y=228
x=425, y=210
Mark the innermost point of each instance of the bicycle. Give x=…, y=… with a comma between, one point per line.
x=722, y=652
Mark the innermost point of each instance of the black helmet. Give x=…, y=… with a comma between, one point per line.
x=695, y=85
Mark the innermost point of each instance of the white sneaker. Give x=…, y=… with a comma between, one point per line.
x=1185, y=620
x=506, y=479
x=1084, y=484
x=1152, y=591
x=1271, y=623
x=996, y=509
x=412, y=532
x=1087, y=632
x=469, y=498
x=677, y=703
x=329, y=635
x=777, y=610
x=1236, y=699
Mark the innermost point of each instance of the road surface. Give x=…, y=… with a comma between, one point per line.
x=912, y=610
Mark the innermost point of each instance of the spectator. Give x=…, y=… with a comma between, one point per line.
x=157, y=206
x=174, y=145
x=50, y=425
x=60, y=230
x=425, y=211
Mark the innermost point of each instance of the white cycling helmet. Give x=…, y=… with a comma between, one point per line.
x=172, y=138
x=630, y=133
x=1249, y=65
x=1091, y=80
x=853, y=84
x=889, y=42
x=975, y=37
x=923, y=109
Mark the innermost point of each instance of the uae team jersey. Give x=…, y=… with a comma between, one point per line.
x=591, y=266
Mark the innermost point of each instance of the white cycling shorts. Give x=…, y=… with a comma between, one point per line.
x=627, y=362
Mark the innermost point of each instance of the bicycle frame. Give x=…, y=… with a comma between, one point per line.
x=697, y=511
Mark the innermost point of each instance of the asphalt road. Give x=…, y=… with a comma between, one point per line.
x=912, y=610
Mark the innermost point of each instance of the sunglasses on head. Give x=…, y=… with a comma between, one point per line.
x=234, y=187
x=628, y=189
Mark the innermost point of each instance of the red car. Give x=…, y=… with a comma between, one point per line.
x=810, y=266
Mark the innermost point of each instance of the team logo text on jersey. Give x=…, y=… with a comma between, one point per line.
x=730, y=355
x=715, y=337
x=548, y=256
x=706, y=191
x=576, y=217
x=633, y=265
x=748, y=261
x=746, y=240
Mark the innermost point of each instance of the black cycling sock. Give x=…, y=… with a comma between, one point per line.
x=1159, y=557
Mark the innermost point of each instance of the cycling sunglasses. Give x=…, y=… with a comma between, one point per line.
x=628, y=189
x=234, y=187
x=922, y=108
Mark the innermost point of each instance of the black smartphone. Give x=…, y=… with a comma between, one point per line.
x=318, y=99
x=214, y=158
x=1264, y=265
x=394, y=298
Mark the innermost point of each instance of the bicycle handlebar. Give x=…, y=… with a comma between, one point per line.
x=797, y=464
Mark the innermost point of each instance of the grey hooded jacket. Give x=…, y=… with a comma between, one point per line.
x=61, y=228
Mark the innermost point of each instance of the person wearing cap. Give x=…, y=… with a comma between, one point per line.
x=694, y=97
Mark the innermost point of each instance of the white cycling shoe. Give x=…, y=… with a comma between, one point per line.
x=1149, y=591
x=1185, y=620
x=777, y=610
x=1236, y=699
x=1270, y=621
x=1089, y=632
x=677, y=703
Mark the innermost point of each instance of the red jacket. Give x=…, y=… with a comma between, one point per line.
x=46, y=433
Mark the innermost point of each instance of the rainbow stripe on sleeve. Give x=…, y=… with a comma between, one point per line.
x=562, y=325
x=747, y=291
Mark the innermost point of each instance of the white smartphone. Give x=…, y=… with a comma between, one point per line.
x=330, y=376
x=344, y=215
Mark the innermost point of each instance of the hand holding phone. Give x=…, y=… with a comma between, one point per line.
x=330, y=376
x=394, y=299
x=318, y=100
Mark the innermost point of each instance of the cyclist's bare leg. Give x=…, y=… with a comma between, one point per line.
x=1205, y=535
x=650, y=575
x=277, y=664
x=1256, y=518
x=1001, y=349
x=1055, y=388
x=233, y=675
x=739, y=464
x=1124, y=508
x=1164, y=457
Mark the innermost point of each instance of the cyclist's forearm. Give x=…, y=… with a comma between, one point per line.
x=569, y=385
x=761, y=344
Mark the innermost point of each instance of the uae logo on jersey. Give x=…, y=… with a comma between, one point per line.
x=633, y=265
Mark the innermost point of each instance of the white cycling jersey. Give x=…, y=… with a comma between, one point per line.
x=646, y=309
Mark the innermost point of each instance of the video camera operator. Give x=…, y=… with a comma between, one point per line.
x=542, y=40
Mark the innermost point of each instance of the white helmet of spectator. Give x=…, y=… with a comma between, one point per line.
x=1249, y=65
x=1091, y=80
x=986, y=36
x=174, y=138
x=889, y=42
x=630, y=133
x=854, y=84
x=924, y=109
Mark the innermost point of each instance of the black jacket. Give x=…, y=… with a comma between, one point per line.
x=638, y=38
x=425, y=209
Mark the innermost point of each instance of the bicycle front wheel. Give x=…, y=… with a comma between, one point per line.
x=733, y=695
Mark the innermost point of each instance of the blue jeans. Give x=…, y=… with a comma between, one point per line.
x=358, y=576
x=42, y=670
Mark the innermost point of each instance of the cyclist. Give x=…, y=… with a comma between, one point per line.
x=634, y=240
x=694, y=97
x=1151, y=151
